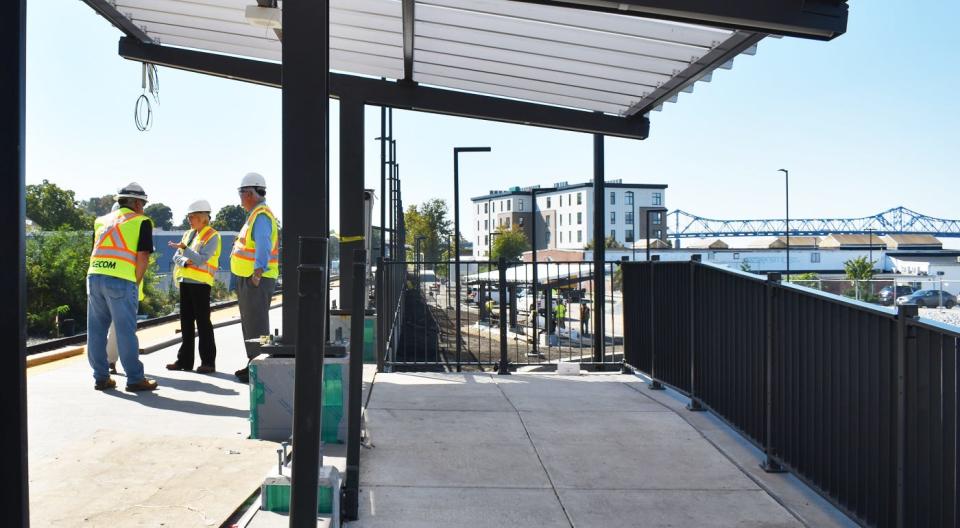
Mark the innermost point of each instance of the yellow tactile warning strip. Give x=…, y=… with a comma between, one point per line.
x=147, y=336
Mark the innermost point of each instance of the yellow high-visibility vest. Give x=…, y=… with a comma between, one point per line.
x=116, y=235
x=205, y=271
x=245, y=249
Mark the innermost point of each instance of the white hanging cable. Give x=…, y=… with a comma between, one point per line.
x=143, y=109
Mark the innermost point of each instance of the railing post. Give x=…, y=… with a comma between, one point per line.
x=694, y=404
x=770, y=463
x=904, y=335
x=504, y=364
x=351, y=494
x=382, y=308
x=654, y=383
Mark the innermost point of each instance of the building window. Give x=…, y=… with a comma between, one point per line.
x=656, y=218
x=508, y=224
x=520, y=221
x=561, y=219
x=579, y=198
x=628, y=217
x=561, y=237
x=579, y=236
x=486, y=206
x=613, y=198
x=486, y=239
x=519, y=205
x=628, y=235
x=613, y=234
x=579, y=217
x=736, y=256
x=478, y=208
x=656, y=233
x=509, y=204
x=486, y=225
x=628, y=199
x=815, y=258
x=613, y=217
x=548, y=202
x=657, y=198
x=478, y=225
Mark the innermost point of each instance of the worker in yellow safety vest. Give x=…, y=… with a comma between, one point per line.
x=195, y=267
x=254, y=261
x=561, y=312
x=122, y=243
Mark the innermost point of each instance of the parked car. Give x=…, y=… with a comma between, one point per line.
x=929, y=299
x=888, y=295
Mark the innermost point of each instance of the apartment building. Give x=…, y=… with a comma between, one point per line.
x=563, y=216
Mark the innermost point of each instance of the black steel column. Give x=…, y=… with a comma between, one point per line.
x=311, y=301
x=770, y=463
x=456, y=249
x=654, y=382
x=694, y=404
x=532, y=308
x=599, y=250
x=351, y=194
x=383, y=182
x=351, y=496
x=905, y=345
x=13, y=324
x=305, y=112
x=502, y=276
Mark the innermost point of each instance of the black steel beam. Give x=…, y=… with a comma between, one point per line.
x=121, y=22
x=406, y=96
x=14, y=501
x=599, y=249
x=735, y=45
x=351, y=495
x=813, y=19
x=351, y=193
x=409, y=7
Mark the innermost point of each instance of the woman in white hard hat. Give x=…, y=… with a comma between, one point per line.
x=195, y=268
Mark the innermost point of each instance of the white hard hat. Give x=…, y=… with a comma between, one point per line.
x=132, y=190
x=200, y=206
x=253, y=179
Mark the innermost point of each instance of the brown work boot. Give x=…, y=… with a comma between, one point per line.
x=206, y=369
x=106, y=384
x=142, y=385
x=177, y=366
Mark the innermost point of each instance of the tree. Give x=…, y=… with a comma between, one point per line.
x=858, y=269
x=429, y=220
x=98, y=206
x=56, y=280
x=230, y=218
x=810, y=280
x=509, y=244
x=185, y=224
x=609, y=243
x=333, y=247
x=52, y=208
x=161, y=215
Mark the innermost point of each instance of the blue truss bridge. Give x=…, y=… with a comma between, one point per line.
x=896, y=221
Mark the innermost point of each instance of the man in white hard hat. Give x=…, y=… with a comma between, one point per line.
x=123, y=241
x=195, y=268
x=255, y=262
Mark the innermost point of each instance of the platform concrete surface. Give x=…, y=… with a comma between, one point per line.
x=541, y=450
x=189, y=414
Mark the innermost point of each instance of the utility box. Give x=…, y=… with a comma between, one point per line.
x=275, y=493
x=271, y=397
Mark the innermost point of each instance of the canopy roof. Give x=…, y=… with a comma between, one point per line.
x=618, y=64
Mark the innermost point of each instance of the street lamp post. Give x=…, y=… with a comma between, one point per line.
x=456, y=229
x=870, y=231
x=786, y=175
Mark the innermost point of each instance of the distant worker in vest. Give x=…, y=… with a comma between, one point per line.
x=255, y=261
x=123, y=241
x=195, y=269
x=561, y=312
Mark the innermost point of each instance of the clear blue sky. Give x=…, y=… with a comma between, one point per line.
x=864, y=123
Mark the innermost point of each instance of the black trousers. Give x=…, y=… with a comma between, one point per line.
x=195, y=308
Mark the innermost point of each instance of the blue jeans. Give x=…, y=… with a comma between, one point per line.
x=110, y=299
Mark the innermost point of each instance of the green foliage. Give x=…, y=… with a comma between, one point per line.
x=229, y=218
x=161, y=215
x=430, y=221
x=98, y=205
x=745, y=266
x=810, y=280
x=609, y=243
x=52, y=208
x=858, y=269
x=56, y=279
x=157, y=302
x=617, y=280
x=184, y=225
x=333, y=248
x=509, y=244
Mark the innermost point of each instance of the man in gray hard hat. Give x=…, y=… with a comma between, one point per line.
x=123, y=241
x=255, y=261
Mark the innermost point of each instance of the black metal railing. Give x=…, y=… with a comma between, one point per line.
x=858, y=401
x=427, y=332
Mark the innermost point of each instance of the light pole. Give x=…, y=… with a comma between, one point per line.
x=786, y=175
x=456, y=229
x=870, y=231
